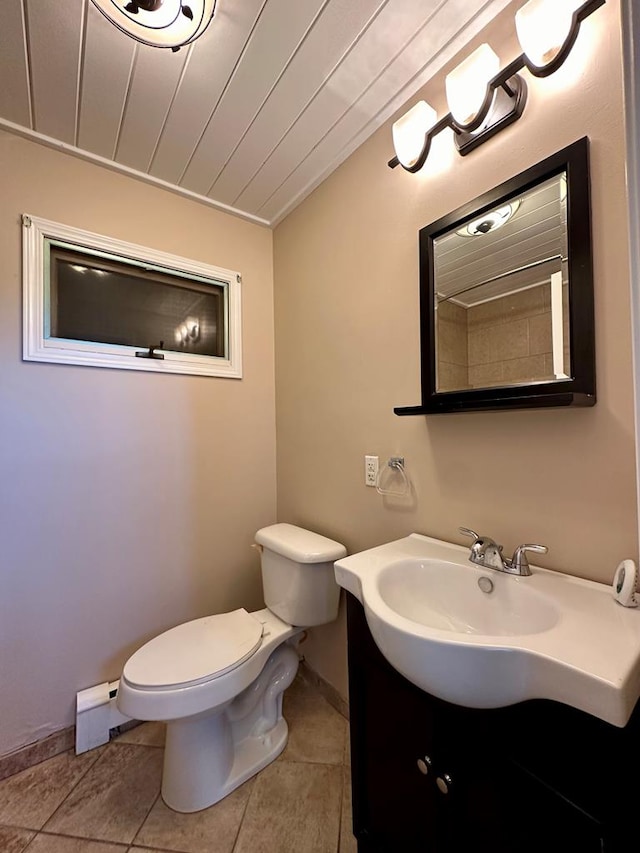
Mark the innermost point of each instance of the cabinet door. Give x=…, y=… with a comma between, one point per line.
x=396, y=802
x=504, y=809
x=391, y=731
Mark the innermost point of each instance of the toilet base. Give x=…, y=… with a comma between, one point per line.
x=208, y=755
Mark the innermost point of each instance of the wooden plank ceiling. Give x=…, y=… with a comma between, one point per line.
x=250, y=117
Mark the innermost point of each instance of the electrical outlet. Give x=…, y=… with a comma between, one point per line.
x=370, y=470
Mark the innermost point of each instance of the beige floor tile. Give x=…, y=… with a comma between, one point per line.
x=194, y=833
x=113, y=799
x=293, y=808
x=14, y=840
x=29, y=798
x=316, y=730
x=348, y=842
x=44, y=843
x=146, y=734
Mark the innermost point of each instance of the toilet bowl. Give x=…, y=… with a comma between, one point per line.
x=218, y=681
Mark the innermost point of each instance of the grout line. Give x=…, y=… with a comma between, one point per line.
x=38, y=833
x=30, y=841
x=146, y=818
x=283, y=760
x=244, y=813
x=340, y=810
x=17, y=826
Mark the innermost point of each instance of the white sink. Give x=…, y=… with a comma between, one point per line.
x=446, y=596
x=547, y=636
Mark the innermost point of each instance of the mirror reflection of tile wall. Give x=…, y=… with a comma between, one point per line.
x=500, y=342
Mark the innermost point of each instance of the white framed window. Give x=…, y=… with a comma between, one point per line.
x=92, y=300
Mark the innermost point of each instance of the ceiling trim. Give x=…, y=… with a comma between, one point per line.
x=96, y=159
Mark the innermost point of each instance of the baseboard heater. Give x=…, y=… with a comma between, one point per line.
x=97, y=715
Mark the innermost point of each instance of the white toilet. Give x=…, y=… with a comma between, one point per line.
x=218, y=681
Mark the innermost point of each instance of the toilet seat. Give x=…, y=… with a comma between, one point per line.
x=195, y=652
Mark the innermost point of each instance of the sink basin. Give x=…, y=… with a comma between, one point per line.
x=547, y=636
x=446, y=596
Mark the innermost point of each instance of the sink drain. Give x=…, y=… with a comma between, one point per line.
x=485, y=584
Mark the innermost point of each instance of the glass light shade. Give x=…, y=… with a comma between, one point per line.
x=467, y=84
x=543, y=27
x=159, y=23
x=409, y=133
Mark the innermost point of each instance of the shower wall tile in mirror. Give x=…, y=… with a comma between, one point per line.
x=499, y=342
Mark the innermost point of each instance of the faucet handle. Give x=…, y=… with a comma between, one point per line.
x=468, y=532
x=520, y=561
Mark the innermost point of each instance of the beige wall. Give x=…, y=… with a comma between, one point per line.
x=128, y=500
x=347, y=349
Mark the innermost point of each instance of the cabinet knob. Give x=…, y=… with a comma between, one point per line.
x=444, y=783
x=424, y=765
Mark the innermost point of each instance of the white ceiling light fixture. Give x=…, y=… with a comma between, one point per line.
x=484, y=99
x=159, y=23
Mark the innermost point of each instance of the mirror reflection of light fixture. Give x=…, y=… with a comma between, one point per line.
x=187, y=332
x=482, y=99
x=159, y=23
x=490, y=221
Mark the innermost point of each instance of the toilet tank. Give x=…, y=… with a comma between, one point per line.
x=297, y=574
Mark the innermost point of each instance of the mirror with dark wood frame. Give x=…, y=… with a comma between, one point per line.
x=506, y=295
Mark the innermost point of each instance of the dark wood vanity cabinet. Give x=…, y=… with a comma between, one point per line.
x=538, y=777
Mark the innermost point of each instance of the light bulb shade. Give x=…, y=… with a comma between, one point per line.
x=467, y=85
x=409, y=133
x=159, y=23
x=545, y=28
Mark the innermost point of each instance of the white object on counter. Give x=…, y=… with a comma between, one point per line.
x=625, y=583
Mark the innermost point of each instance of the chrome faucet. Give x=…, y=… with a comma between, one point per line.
x=486, y=552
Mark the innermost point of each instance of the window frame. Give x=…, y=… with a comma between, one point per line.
x=37, y=346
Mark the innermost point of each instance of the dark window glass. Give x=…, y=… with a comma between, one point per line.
x=113, y=302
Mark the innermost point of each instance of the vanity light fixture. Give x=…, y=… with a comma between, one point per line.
x=483, y=99
x=159, y=23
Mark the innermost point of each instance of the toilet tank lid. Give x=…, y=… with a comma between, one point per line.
x=299, y=544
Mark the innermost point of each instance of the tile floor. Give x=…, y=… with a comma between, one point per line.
x=107, y=800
